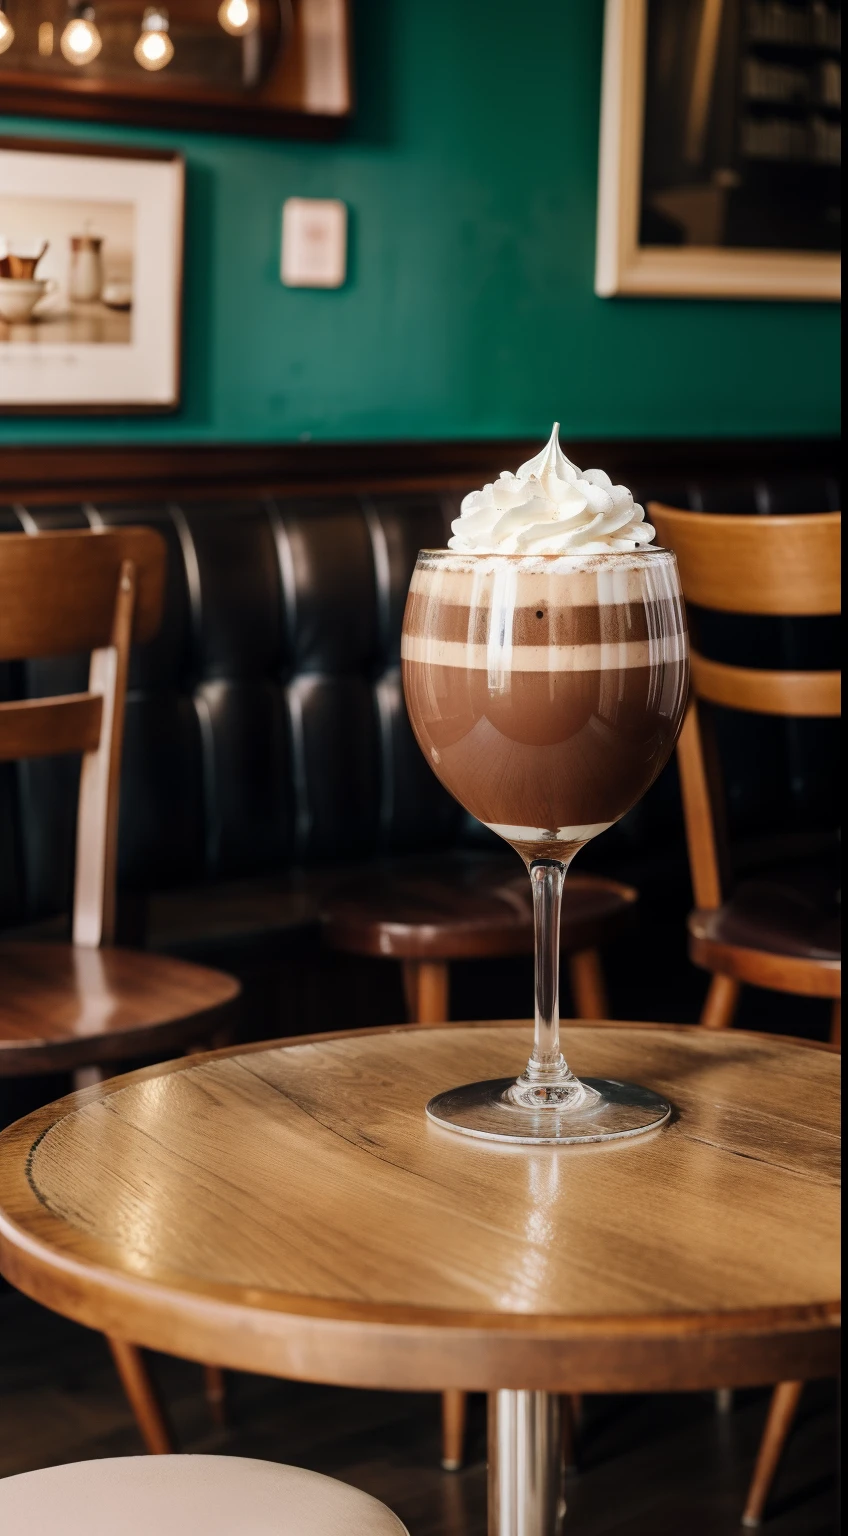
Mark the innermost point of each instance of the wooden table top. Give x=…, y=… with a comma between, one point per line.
x=289, y=1209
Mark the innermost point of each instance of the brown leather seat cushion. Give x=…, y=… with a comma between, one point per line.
x=464, y=906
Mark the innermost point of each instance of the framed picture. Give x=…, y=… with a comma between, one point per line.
x=720, y=149
x=91, y=249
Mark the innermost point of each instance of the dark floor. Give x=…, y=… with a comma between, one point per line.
x=661, y=1466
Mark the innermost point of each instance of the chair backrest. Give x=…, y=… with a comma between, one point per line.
x=781, y=566
x=62, y=593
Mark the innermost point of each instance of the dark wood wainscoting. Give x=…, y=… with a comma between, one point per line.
x=92, y=472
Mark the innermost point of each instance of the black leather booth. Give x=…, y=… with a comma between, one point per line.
x=267, y=744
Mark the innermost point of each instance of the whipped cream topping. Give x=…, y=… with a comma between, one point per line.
x=550, y=507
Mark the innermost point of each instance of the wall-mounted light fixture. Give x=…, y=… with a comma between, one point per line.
x=154, y=48
x=239, y=17
x=81, y=42
x=7, y=31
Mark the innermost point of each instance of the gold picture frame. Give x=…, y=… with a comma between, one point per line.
x=625, y=266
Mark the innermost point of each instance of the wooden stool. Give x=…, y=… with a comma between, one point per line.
x=189, y=1496
x=470, y=906
x=84, y=1006
x=781, y=930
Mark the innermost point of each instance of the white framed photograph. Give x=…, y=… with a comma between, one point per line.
x=91, y=255
x=720, y=150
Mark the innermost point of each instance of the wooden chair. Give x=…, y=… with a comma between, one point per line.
x=85, y=1005
x=779, y=932
x=468, y=906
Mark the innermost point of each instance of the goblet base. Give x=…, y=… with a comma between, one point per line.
x=610, y=1111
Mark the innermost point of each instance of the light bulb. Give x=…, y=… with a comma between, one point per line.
x=7, y=31
x=81, y=42
x=238, y=17
x=154, y=48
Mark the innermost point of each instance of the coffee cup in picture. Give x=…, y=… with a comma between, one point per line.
x=19, y=296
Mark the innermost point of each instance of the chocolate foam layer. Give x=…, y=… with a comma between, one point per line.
x=543, y=623
x=545, y=615
x=614, y=656
x=546, y=692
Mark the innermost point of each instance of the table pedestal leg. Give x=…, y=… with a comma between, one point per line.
x=525, y=1464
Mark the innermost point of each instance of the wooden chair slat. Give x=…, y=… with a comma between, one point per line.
x=777, y=565
x=812, y=694
x=57, y=589
x=49, y=727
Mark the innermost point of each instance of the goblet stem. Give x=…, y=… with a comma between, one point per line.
x=547, y=1081
x=546, y=878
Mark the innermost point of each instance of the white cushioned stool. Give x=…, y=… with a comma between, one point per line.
x=188, y=1496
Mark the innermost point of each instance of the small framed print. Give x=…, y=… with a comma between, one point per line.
x=720, y=150
x=91, y=255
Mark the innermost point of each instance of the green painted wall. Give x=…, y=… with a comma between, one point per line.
x=470, y=173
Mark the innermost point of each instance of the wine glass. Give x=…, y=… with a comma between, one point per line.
x=547, y=693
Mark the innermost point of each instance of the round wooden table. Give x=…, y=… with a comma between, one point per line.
x=289, y=1209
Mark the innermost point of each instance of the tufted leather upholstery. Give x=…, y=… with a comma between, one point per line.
x=265, y=724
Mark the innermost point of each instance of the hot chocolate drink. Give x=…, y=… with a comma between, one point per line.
x=545, y=668
x=545, y=690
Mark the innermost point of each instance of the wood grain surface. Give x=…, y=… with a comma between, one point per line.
x=57, y=592
x=288, y=1209
x=713, y=945
x=462, y=906
x=48, y=727
x=64, y=1006
x=752, y=564
x=798, y=694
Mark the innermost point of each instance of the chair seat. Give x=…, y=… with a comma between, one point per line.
x=784, y=920
x=63, y=1006
x=227, y=913
x=464, y=906
x=188, y=1496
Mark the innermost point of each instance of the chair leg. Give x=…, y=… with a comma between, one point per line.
x=87, y=1077
x=426, y=987
x=836, y=1023
x=142, y=1397
x=454, y=1419
x=784, y=1402
x=720, y=1005
x=216, y=1395
x=587, y=985
x=409, y=976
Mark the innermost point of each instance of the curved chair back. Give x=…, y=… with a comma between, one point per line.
x=62, y=593
x=787, y=566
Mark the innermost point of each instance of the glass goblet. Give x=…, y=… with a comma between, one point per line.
x=547, y=693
